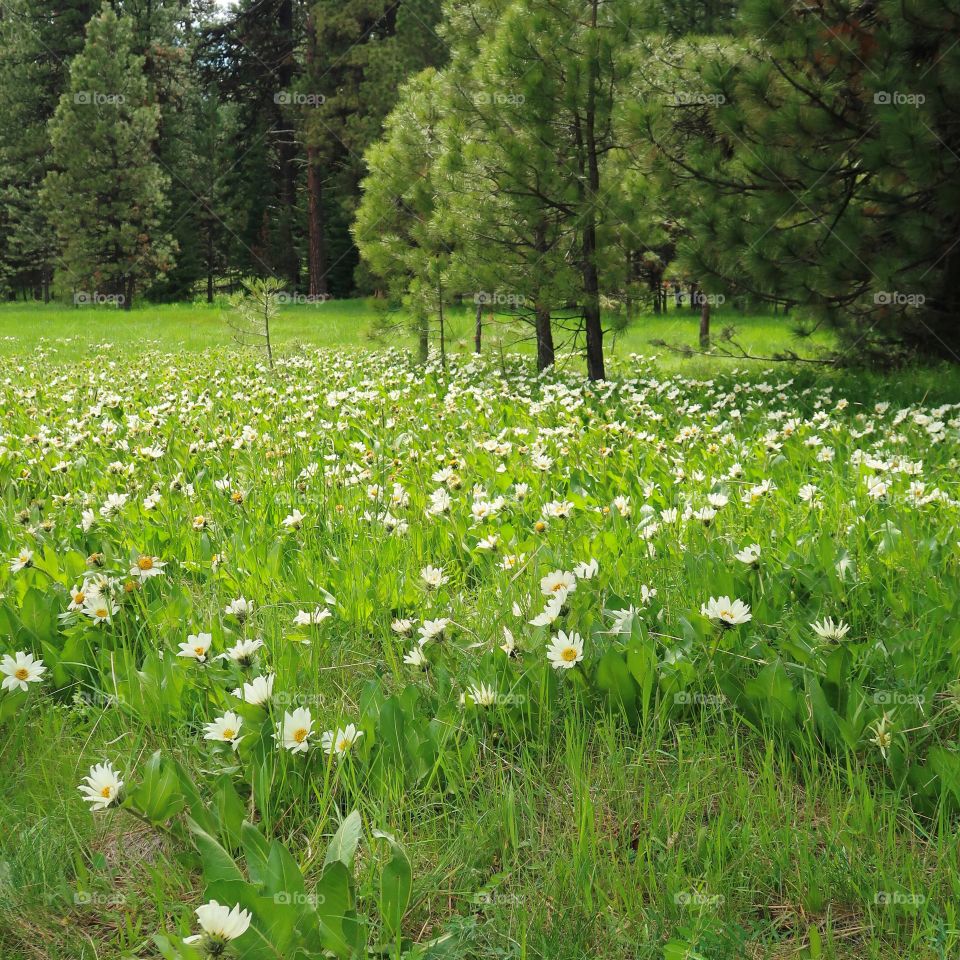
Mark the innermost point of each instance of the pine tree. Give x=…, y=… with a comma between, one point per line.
x=396, y=229
x=827, y=168
x=106, y=186
x=38, y=38
x=362, y=52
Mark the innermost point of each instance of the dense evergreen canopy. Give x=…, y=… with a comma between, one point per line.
x=557, y=162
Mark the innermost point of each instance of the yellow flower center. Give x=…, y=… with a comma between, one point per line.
x=343, y=744
x=22, y=673
x=199, y=651
x=106, y=792
x=229, y=733
x=101, y=612
x=568, y=654
x=78, y=598
x=300, y=734
x=145, y=563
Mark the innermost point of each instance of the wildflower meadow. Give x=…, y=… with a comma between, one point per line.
x=354, y=657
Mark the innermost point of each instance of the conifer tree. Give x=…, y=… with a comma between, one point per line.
x=106, y=188
x=827, y=168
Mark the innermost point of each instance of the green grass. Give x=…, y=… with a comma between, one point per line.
x=738, y=809
x=350, y=323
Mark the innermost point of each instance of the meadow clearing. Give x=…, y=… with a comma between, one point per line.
x=470, y=662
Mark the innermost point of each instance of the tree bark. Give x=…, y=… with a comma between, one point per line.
x=286, y=150
x=317, y=266
x=318, y=245
x=704, y=322
x=423, y=331
x=591, y=277
x=545, y=351
x=478, y=330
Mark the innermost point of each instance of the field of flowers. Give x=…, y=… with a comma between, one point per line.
x=353, y=658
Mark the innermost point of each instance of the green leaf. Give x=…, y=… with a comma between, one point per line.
x=343, y=846
x=158, y=796
x=396, y=886
x=615, y=680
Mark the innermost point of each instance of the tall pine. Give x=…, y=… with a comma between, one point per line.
x=106, y=191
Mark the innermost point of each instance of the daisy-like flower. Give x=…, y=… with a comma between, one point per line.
x=559, y=583
x=257, y=692
x=749, y=555
x=565, y=652
x=293, y=520
x=416, y=658
x=306, y=618
x=726, y=612
x=102, y=786
x=242, y=651
x=587, y=570
x=402, y=626
x=432, y=629
x=196, y=646
x=826, y=629
x=225, y=729
x=294, y=731
x=550, y=612
x=99, y=608
x=21, y=561
x=509, y=645
x=220, y=925
x=341, y=741
x=557, y=510
x=79, y=594
x=200, y=522
x=147, y=567
x=20, y=670
x=482, y=694
x=882, y=735
x=433, y=577
x=240, y=608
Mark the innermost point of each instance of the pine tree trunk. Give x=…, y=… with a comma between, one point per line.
x=478, y=330
x=423, y=330
x=704, y=323
x=318, y=247
x=317, y=266
x=591, y=278
x=545, y=351
x=286, y=151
